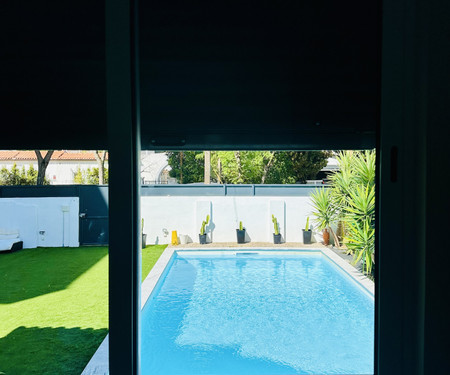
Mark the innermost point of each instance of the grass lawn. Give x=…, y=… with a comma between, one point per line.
x=54, y=307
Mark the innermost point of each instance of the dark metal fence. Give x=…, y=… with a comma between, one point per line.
x=229, y=190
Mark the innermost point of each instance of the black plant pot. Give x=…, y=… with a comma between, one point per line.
x=240, y=235
x=307, y=236
x=202, y=239
x=277, y=238
x=144, y=240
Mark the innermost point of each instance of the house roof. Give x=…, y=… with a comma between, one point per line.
x=57, y=155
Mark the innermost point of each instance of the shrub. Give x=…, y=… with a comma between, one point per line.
x=350, y=201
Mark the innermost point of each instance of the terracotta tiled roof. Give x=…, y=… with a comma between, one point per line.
x=8, y=155
x=57, y=155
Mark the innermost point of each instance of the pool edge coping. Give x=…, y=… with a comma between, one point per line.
x=99, y=363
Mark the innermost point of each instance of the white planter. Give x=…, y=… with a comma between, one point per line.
x=183, y=239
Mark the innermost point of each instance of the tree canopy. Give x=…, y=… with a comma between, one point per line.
x=248, y=167
x=187, y=166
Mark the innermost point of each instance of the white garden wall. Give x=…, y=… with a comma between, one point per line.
x=54, y=221
x=46, y=222
x=164, y=214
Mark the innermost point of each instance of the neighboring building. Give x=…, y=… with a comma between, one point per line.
x=62, y=167
x=155, y=168
x=331, y=167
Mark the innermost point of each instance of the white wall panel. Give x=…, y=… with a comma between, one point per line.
x=46, y=222
x=186, y=213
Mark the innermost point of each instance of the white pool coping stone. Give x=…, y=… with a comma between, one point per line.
x=99, y=365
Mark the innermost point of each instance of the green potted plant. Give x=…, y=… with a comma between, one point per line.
x=240, y=233
x=307, y=233
x=325, y=213
x=144, y=236
x=276, y=231
x=202, y=235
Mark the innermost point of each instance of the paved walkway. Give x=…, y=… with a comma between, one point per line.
x=301, y=245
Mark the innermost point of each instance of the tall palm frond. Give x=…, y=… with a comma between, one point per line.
x=364, y=168
x=361, y=204
x=361, y=240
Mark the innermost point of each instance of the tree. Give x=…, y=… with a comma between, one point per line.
x=296, y=166
x=42, y=165
x=186, y=166
x=241, y=167
x=101, y=165
x=248, y=167
x=207, y=167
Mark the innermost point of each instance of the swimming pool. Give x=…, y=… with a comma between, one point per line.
x=218, y=312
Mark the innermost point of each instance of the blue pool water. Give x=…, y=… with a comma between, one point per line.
x=219, y=313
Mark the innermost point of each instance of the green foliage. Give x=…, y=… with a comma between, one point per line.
x=364, y=168
x=324, y=211
x=241, y=226
x=79, y=177
x=361, y=205
x=16, y=176
x=204, y=223
x=292, y=167
x=186, y=166
x=276, y=227
x=351, y=200
x=356, y=169
x=307, y=224
x=248, y=167
x=361, y=240
x=89, y=176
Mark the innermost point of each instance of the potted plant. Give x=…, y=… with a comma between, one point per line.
x=144, y=236
x=240, y=233
x=276, y=230
x=307, y=233
x=202, y=235
x=325, y=214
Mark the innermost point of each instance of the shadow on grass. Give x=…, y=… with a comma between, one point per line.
x=33, y=272
x=48, y=350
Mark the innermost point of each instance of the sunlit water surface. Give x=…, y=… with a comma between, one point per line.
x=257, y=314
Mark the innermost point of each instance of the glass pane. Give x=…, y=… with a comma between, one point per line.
x=53, y=259
x=264, y=264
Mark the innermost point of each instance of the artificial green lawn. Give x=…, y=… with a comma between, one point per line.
x=54, y=307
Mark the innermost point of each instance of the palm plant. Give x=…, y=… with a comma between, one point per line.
x=324, y=211
x=361, y=239
x=364, y=168
x=351, y=202
x=342, y=183
x=361, y=205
